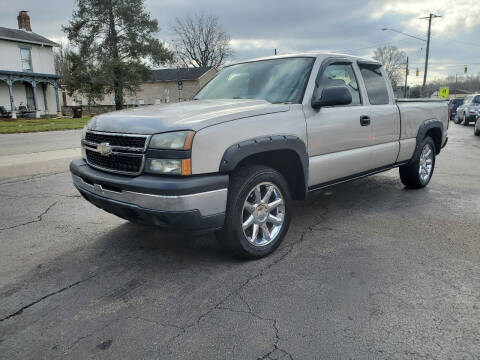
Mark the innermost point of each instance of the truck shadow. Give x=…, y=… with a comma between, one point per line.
x=373, y=194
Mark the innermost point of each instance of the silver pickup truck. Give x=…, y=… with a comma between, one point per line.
x=260, y=134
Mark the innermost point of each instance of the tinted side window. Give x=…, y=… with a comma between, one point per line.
x=375, y=83
x=477, y=100
x=339, y=75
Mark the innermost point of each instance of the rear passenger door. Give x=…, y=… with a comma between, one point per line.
x=384, y=116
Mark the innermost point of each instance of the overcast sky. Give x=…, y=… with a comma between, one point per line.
x=257, y=27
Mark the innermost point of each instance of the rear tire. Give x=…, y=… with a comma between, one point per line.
x=418, y=173
x=476, y=129
x=258, y=212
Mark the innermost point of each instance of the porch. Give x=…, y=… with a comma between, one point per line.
x=32, y=94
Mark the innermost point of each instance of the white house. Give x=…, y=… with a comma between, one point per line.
x=28, y=82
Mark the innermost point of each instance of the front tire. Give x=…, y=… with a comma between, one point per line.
x=418, y=173
x=258, y=212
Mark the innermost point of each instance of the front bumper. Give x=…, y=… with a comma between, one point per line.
x=191, y=203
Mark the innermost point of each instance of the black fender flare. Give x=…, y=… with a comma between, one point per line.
x=235, y=153
x=422, y=131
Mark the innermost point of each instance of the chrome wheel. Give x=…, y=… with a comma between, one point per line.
x=426, y=163
x=263, y=214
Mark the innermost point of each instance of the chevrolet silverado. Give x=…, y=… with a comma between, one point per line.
x=260, y=134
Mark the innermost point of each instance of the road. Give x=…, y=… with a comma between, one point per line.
x=37, y=153
x=368, y=270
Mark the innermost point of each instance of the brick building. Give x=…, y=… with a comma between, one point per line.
x=166, y=85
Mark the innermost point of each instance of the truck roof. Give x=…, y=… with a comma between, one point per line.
x=316, y=54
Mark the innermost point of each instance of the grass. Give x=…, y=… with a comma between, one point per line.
x=36, y=125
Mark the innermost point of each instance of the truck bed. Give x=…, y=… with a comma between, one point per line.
x=414, y=112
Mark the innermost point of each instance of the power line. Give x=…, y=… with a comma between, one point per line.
x=458, y=41
x=373, y=46
x=453, y=64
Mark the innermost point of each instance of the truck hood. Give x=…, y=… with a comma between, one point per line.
x=191, y=115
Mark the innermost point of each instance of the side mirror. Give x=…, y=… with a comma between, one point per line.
x=331, y=96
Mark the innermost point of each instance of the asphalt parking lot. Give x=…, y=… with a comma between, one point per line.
x=368, y=270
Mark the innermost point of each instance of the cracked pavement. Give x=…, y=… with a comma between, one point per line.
x=368, y=270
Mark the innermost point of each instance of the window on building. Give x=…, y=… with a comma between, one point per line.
x=26, y=59
x=29, y=95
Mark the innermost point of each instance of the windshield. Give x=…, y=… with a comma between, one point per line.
x=276, y=81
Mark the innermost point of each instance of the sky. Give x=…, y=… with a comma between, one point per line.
x=257, y=27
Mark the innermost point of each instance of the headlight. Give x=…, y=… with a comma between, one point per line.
x=168, y=166
x=169, y=143
x=179, y=140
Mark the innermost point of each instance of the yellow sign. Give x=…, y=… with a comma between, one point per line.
x=443, y=93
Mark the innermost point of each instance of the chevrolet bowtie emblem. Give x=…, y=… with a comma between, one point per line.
x=104, y=149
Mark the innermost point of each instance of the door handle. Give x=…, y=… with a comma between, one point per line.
x=364, y=120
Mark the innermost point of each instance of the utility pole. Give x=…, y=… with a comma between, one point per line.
x=456, y=85
x=406, y=77
x=429, y=17
x=275, y=52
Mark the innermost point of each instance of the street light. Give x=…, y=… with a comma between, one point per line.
x=400, y=32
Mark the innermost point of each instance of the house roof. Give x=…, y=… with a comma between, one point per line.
x=179, y=74
x=24, y=37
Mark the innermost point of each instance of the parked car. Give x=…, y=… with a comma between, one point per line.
x=468, y=111
x=260, y=134
x=476, y=129
x=452, y=107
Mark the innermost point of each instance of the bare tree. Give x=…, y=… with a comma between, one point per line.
x=200, y=41
x=393, y=61
x=63, y=63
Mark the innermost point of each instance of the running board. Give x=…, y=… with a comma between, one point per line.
x=353, y=177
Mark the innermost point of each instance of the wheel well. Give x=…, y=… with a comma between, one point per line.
x=436, y=135
x=288, y=163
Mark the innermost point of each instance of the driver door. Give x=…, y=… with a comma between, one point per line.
x=338, y=136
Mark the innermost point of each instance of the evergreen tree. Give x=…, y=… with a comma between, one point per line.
x=114, y=43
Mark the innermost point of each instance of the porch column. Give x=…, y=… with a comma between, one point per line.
x=35, y=100
x=55, y=87
x=10, y=94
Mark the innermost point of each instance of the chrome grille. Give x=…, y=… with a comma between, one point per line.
x=117, y=140
x=124, y=163
x=118, y=153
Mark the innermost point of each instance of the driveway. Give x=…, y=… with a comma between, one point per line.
x=368, y=270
